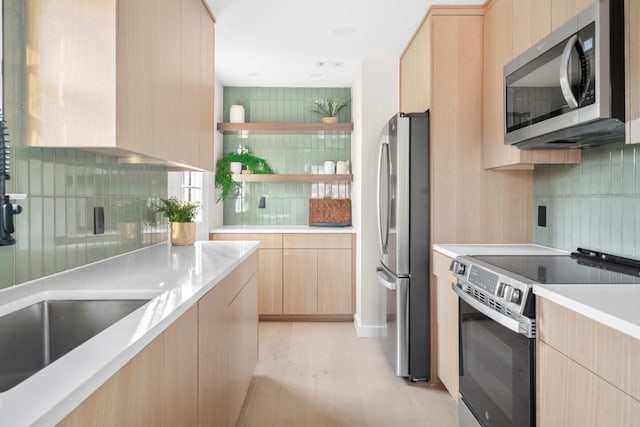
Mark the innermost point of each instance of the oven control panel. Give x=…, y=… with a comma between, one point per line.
x=491, y=286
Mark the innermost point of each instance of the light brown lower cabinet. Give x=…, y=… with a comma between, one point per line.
x=196, y=373
x=300, y=281
x=157, y=387
x=446, y=325
x=335, y=291
x=571, y=395
x=270, y=270
x=306, y=275
x=587, y=373
x=317, y=274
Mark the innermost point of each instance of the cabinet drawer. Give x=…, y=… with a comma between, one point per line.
x=267, y=240
x=608, y=353
x=570, y=395
x=317, y=241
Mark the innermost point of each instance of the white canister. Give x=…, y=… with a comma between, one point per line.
x=235, y=167
x=341, y=167
x=236, y=114
x=329, y=167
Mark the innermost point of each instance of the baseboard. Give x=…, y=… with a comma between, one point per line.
x=372, y=331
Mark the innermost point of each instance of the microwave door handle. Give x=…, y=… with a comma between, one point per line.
x=565, y=61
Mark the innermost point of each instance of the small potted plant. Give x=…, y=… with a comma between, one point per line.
x=180, y=215
x=329, y=108
x=224, y=174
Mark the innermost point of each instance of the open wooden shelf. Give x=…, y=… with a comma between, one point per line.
x=235, y=128
x=282, y=177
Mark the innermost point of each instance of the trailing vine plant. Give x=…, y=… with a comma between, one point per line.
x=224, y=177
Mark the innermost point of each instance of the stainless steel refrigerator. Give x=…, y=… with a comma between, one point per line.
x=403, y=237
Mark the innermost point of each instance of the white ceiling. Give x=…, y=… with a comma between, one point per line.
x=280, y=42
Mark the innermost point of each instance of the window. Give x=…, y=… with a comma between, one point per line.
x=192, y=190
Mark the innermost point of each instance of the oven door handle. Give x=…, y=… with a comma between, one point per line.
x=521, y=325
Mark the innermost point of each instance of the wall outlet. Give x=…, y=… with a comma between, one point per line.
x=98, y=220
x=262, y=203
x=542, y=216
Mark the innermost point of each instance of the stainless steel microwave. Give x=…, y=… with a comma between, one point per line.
x=567, y=91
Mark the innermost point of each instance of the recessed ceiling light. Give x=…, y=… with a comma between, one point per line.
x=329, y=64
x=315, y=75
x=254, y=74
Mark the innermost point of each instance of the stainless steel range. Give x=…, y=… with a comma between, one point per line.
x=497, y=326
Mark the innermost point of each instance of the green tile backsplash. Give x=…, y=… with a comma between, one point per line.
x=595, y=204
x=286, y=203
x=55, y=230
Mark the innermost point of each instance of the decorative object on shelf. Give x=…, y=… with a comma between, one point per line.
x=224, y=176
x=329, y=167
x=180, y=215
x=330, y=212
x=235, y=167
x=341, y=167
x=329, y=108
x=236, y=114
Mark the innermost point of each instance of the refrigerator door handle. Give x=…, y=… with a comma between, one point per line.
x=383, y=229
x=382, y=279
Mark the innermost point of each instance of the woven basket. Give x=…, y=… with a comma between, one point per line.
x=330, y=212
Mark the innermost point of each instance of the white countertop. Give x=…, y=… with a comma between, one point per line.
x=453, y=251
x=274, y=229
x=616, y=306
x=176, y=277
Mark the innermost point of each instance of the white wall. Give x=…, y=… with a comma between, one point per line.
x=375, y=98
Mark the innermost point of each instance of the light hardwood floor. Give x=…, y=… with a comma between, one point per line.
x=321, y=374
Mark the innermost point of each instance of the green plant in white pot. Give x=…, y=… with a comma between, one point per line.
x=329, y=108
x=180, y=215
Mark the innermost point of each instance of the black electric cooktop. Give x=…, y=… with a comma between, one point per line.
x=564, y=269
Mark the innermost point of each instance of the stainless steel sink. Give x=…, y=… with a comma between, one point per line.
x=37, y=335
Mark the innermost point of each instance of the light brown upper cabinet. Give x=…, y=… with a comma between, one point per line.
x=124, y=77
x=415, y=71
x=509, y=28
x=563, y=10
x=531, y=22
x=632, y=44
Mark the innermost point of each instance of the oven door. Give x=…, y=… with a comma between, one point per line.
x=496, y=369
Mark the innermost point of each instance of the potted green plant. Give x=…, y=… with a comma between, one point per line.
x=180, y=215
x=224, y=176
x=329, y=108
